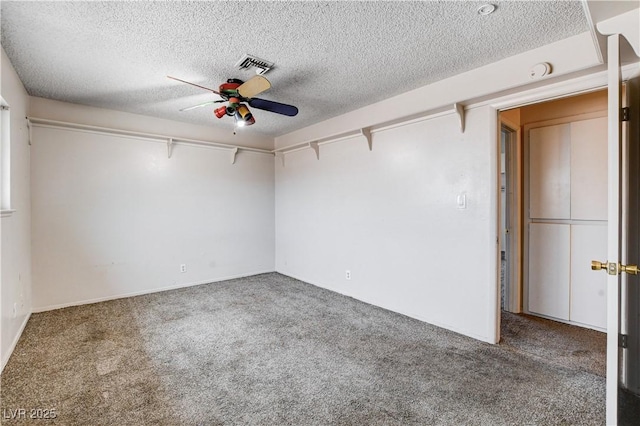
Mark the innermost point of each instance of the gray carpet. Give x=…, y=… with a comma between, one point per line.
x=555, y=343
x=271, y=350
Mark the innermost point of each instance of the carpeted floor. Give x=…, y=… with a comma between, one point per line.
x=555, y=343
x=271, y=350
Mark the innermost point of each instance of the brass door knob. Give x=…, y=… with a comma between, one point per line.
x=614, y=269
x=629, y=269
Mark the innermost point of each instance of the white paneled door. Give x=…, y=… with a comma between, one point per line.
x=589, y=169
x=588, y=303
x=549, y=269
x=567, y=200
x=549, y=172
x=619, y=325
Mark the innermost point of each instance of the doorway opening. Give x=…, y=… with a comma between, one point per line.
x=552, y=305
x=553, y=157
x=553, y=212
x=560, y=218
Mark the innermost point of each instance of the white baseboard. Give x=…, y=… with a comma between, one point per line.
x=14, y=343
x=380, y=304
x=143, y=292
x=569, y=322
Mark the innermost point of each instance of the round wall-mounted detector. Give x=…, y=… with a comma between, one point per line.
x=540, y=70
x=486, y=9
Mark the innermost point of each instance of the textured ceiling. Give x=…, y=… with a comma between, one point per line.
x=330, y=57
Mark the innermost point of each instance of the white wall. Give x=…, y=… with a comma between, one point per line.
x=66, y=112
x=390, y=216
x=113, y=216
x=15, y=281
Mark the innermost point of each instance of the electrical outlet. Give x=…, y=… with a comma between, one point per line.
x=183, y=268
x=347, y=275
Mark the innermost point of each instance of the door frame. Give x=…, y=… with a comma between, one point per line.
x=632, y=222
x=513, y=208
x=562, y=88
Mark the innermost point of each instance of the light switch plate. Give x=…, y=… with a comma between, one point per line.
x=462, y=201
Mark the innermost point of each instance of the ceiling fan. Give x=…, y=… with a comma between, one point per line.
x=239, y=93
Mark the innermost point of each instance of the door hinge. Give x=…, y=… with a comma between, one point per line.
x=623, y=341
x=626, y=114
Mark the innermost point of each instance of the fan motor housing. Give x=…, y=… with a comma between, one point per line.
x=230, y=88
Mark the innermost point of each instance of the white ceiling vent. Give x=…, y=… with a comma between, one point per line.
x=250, y=61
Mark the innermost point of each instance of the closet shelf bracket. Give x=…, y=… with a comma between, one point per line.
x=366, y=132
x=169, y=147
x=316, y=148
x=459, y=110
x=29, y=130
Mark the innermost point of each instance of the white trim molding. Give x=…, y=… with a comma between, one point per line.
x=7, y=213
x=14, y=343
x=143, y=292
x=171, y=141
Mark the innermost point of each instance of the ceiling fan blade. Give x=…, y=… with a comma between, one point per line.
x=254, y=86
x=193, y=84
x=272, y=106
x=201, y=105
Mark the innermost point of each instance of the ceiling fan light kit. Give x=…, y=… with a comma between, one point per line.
x=238, y=94
x=220, y=112
x=244, y=116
